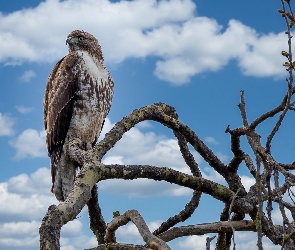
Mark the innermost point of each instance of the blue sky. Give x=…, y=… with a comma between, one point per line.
x=193, y=55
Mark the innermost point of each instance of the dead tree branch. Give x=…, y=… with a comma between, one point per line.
x=135, y=217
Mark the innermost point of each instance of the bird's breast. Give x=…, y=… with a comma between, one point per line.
x=93, y=99
x=93, y=66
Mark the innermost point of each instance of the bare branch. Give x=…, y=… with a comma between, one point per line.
x=118, y=246
x=50, y=229
x=97, y=223
x=237, y=151
x=187, y=155
x=164, y=114
x=205, y=228
x=135, y=217
x=208, y=241
x=194, y=202
x=182, y=215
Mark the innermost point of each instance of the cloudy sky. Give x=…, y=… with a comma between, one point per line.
x=194, y=55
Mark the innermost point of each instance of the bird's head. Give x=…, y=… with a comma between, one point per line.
x=81, y=40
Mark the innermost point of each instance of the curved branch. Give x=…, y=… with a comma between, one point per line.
x=237, y=151
x=187, y=155
x=164, y=114
x=214, y=189
x=97, y=223
x=194, y=202
x=182, y=215
x=135, y=217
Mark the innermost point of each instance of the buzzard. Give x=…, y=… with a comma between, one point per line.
x=77, y=99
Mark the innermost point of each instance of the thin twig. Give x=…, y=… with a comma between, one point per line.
x=208, y=241
x=287, y=16
x=260, y=206
x=229, y=212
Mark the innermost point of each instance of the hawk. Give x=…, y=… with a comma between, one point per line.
x=78, y=97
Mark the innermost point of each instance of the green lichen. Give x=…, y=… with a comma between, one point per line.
x=113, y=171
x=185, y=179
x=286, y=237
x=106, y=171
x=140, y=114
x=257, y=220
x=127, y=125
x=167, y=173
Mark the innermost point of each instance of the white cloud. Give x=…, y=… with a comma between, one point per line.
x=25, y=243
x=30, y=143
x=24, y=110
x=6, y=125
x=38, y=182
x=113, y=160
x=24, y=201
x=185, y=44
x=212, y=140
x=26, y=234
x=23, y=228
x=65, y=245
x=204, y=46
x=210, y=174
x=246, y=239
x=41, y=36
x=23, y=197
x=83, y=241
x=72, y=228
x=247, y=181
x=144, y=124
x=263, y=57
x=137, y=147
x=222, y=157
x=129, y=233
x=194, y=242
x=176, y=70
x=27, y=76
x=142, y=188
x=277, y=215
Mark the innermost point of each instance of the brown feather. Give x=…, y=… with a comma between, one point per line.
x=60, y=97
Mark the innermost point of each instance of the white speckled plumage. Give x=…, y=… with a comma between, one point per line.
x=77, y=99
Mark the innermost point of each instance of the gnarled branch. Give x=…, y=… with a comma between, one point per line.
x=135, y=217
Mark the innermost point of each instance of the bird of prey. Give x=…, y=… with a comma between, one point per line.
x=77, y=99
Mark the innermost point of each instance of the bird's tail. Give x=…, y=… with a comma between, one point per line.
x=64, y=177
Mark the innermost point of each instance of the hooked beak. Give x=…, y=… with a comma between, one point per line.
x=71, y=41
x=68, y=41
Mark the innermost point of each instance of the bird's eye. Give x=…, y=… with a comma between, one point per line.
x=81, y=38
